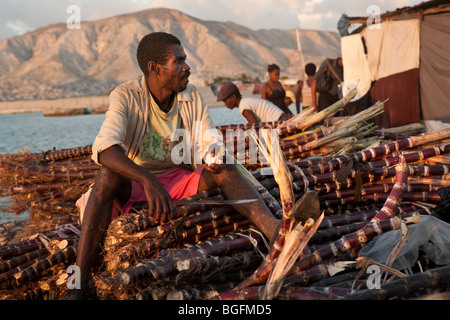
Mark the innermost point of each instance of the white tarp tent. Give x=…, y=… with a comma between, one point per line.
x=403, y=58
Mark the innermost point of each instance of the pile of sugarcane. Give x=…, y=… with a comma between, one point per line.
x=331, y=202
x=46, y=185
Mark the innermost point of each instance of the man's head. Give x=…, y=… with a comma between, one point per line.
x=310, y=69
x=155, y=47
x=161, y=56
x=229, y=94
x=289, y=98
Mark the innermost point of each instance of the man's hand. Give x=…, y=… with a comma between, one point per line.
x=214, y=168
x=160, y=204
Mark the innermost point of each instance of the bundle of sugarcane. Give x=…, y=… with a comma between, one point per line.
x=135, y=246
x=308, y=134
x=47, y=184
x=32, y=268
x=219, y=250
x=332, y=170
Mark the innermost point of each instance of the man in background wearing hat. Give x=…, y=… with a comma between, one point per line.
x=252, y=109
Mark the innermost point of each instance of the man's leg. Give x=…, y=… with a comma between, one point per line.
x=108, y=187
x=236, y=187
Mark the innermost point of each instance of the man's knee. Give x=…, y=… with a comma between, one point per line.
x=109, y=182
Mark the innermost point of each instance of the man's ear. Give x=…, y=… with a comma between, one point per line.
x=153, y=68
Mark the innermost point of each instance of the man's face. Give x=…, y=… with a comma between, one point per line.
x=175, y=73
x=230, y=102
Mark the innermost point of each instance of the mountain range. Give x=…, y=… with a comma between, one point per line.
x=58, y=62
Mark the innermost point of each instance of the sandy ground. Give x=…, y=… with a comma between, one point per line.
x=90, y=103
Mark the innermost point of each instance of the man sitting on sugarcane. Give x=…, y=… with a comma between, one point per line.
x=134, y=147
x=252, y=109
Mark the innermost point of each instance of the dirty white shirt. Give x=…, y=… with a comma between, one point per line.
x=128, y=114
x=265, y=111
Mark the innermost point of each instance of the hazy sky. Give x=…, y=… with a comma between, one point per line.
x=21, y=16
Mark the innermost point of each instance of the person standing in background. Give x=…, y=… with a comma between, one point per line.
x=273, y=90
x=333, y=71
x=306, y=90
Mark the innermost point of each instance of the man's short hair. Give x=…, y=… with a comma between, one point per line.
x=310, y=69
x=154, y=47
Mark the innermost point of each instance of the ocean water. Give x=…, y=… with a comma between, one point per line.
x=37, y=133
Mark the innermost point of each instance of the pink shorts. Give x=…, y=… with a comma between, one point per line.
x=180, y=182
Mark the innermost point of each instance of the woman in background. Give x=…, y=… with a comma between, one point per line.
x=273, y=91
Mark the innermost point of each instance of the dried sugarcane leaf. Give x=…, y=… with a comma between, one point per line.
x=344, y=172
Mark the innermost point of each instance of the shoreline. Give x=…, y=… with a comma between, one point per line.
x=88, y=105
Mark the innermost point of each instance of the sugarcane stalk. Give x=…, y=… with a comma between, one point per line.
x=412, y=156
x=307, y=294
x=362, y=216
x=235, y=226
x=198, y=265
x=407, y=286
x=41, y=188
x=134, y=222
x=371, y=112
x=292, y=248
x=299, y=117
x=19, y=260
x=54, y=155
x=215, y=247
x=442, y=181
x=337, y=232
x=341, y=142
x=33, y=171
x=324, y=140
x=346, y=242
x=315, y=118
x=62, y=208
x=207, y=215
x=325, y=150
x=400, y=132
x=431, y=197
x=66, y=255
x=322, y=271
x=247, y=126
x=7, y=253
x=305, y=138
x=8, y=275
x=185, y=294
x=249, y=293
x=117, y=257
x=283, y=177
x=209, y=225
x=375, y=188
